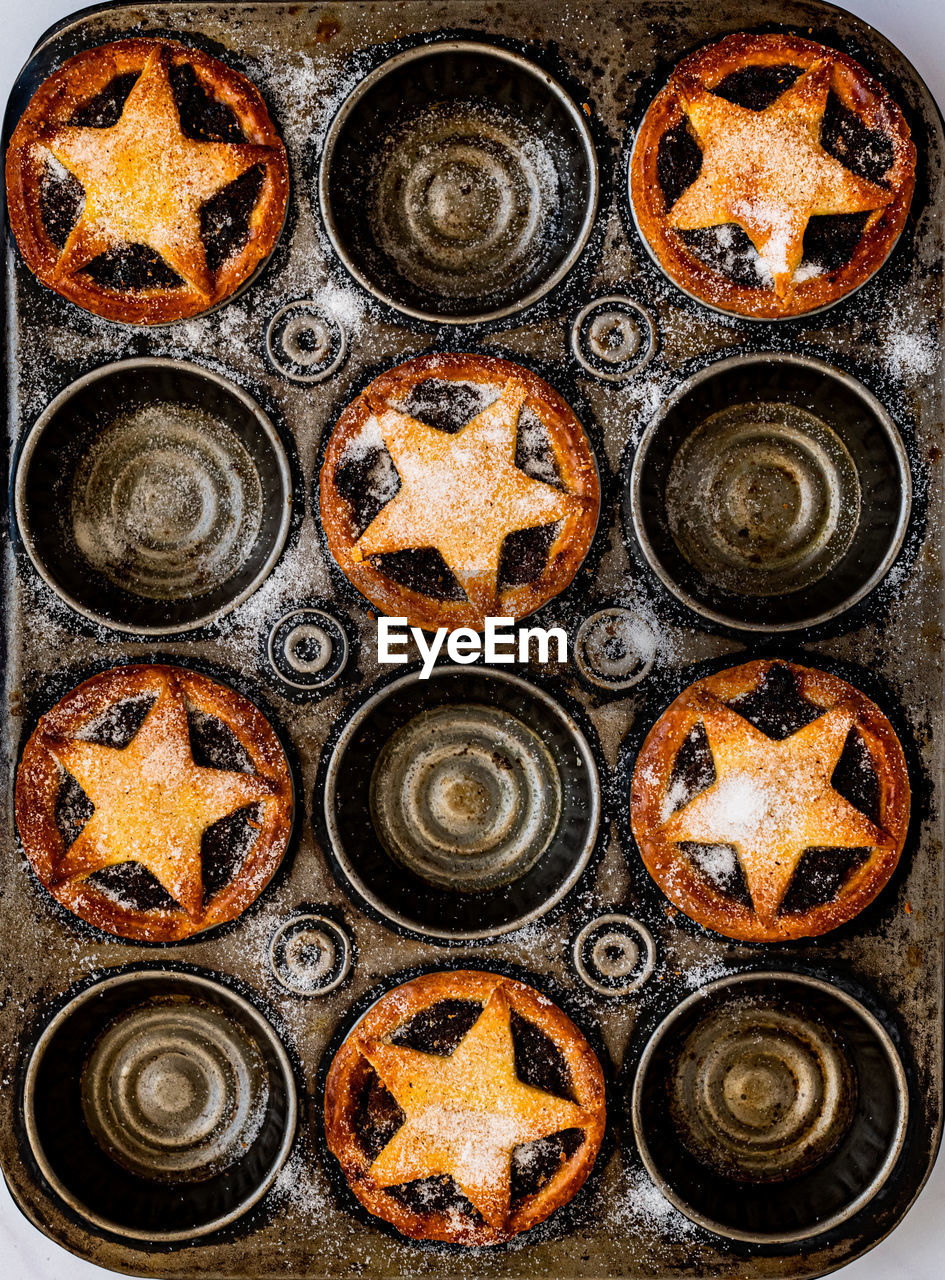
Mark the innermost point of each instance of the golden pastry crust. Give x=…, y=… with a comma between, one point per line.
x=350, y=1070
x=579, y=498
x=54, y=104
x=857, y=91
x=59, y=735
x=767, y=859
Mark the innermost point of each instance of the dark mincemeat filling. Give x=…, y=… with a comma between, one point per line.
x=693, y=769
x=224, y=219
x=435, y=1195
x=438, y=1029
x=757, y=87
x=538, y=1062
x=829, y=241
x=525, y=555
x=820, y=875
x=447, y=406
x=725, y=875
x=423, y=570
x=225, y=844
x=778, y=709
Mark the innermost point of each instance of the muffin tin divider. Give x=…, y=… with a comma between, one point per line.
x=306, y=58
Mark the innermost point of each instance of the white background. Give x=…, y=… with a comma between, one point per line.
x=916, y=1249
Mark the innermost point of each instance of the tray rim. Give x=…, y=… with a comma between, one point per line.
x=60, y=28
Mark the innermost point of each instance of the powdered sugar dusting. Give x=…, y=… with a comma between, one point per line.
x=890, y=329
x=479, y=1141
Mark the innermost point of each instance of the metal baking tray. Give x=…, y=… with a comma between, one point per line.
x=612, y=57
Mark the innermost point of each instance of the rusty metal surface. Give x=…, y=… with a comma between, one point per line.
x=306, y=58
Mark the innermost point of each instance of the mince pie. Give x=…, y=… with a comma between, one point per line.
x=153, y=802
x=771, y=176
x=464, y=1107
x=146, y=181
x=771, y=801
x=459, y=487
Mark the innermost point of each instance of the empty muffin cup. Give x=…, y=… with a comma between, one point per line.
x=458, y=182
x=159, y=1105
x=770, y=1107
x=153, y=496
x=771, y=492
x=462, y=806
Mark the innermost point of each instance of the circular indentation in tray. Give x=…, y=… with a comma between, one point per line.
x=763, y=499
x=310, y=955
x=472, y=908
x=159, y=1105
x=153, y=496
x=174, y=1091
x=466, y=797
x=772, y=492
x=305, y=343
x=458, y=182
x=308, y=648
x=614, y=954
x=165, y=502
x=613, y=338
x=761, y=1093
x=787, y=1107
x=614, y=649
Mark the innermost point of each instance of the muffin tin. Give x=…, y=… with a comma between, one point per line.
x=625, y=348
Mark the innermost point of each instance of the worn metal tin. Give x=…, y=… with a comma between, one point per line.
x=174, y=1084
x=611, y=58
x=765, y=1089
x=881, y=499
x=195, y=497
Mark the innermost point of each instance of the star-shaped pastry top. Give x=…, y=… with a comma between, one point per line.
x=462, y=493
x=145, y=181
x=152, y=803
x=773, y=799
x=767, y=172
x=465, y=1113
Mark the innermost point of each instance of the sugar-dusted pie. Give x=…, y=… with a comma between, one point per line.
x=771, y=801
x=154, y=802
x=464, y=1107
x=772, y=175
x=458, y=487
x=146, y=181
